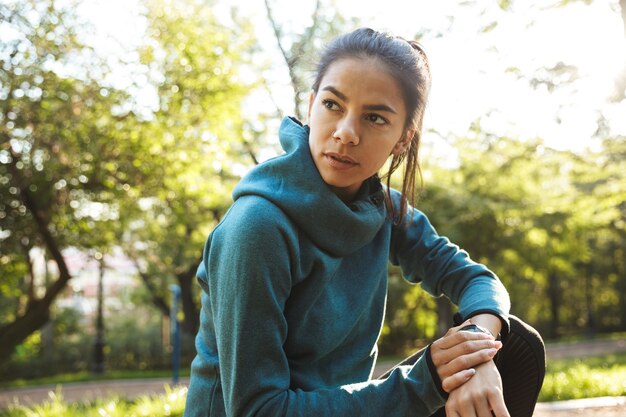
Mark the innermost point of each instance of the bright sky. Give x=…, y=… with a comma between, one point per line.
x=470, y=77
x=469, y=70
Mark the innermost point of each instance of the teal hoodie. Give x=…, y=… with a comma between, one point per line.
x=294, y=287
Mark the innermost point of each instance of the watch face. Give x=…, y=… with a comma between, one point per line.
x=476, y=329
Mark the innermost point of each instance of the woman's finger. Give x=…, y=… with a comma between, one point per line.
x=452, y=382
x=498, y=406
x=465, y=362
x=450, y=340
x=443, y=356
x=481, y=405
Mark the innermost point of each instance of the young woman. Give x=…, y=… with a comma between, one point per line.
x=294, y=278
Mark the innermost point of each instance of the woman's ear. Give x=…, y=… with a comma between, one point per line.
x=403, y=144
x=308, y=113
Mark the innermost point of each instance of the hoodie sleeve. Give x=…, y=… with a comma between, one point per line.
x=443, y=268
x=248, y=281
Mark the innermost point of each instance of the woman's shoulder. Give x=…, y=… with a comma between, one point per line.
x=251, y=217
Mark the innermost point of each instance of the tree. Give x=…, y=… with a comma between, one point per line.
x=199, y=145
x=66, y=155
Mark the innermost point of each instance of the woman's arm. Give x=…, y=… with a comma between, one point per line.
x=443, y=268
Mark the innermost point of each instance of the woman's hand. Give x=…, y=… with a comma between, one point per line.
x=457, y=353
x=480, y=396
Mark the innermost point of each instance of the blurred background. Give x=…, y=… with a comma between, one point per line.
x=125, y=125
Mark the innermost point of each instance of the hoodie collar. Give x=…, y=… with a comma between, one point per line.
x=293, y=183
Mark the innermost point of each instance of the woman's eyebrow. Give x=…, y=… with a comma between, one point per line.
x=336, y=92
x=371, y=107
x=380, y=107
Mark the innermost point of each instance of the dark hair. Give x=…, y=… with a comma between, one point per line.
x=408, y=64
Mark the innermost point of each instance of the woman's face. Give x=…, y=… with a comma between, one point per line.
x=357, y=120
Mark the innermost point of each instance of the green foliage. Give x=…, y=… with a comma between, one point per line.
x=584, y=378
x=12, y=286
x=134, y=340
x=59, y=152
x=66, y=155
x=82, y=165
x=538, y=218
x=79, y=160
x=61, y=346
x=170, y=404
x=197, y=145
x=410, y=317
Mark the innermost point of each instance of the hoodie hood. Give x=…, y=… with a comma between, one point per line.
x=293, y=183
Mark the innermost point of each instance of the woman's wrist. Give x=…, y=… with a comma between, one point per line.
x=488, y=321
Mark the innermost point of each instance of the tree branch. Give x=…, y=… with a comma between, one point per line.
x=42, y=227
x=158, y=301
x=276, y=30
x=310, y=31
x=37, y=310
x=292, y=60
x=272, y=98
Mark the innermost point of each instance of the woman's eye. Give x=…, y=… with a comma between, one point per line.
x=330, y=104
x=376, y=119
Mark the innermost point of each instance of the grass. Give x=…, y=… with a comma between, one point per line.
x=565, y=379
x=600, y=376
x=170, y=404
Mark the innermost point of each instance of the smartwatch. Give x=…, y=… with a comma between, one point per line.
x=475, y=328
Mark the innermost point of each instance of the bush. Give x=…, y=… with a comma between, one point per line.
x=61, y=346
x=133, y=341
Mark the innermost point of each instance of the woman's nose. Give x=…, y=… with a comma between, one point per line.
x=347, y=132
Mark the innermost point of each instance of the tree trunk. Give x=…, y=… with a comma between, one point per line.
x=37, y=311
x=37, y=314
x=591, y=322
x=554, y=292
x=157, y=300
x=619, y=260
x=191, y=321
x=185, y=280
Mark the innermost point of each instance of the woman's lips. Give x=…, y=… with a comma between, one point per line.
x=340, y=161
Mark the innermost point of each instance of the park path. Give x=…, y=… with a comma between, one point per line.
x=87, y=391
x=589, y=348
x=590, y=407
